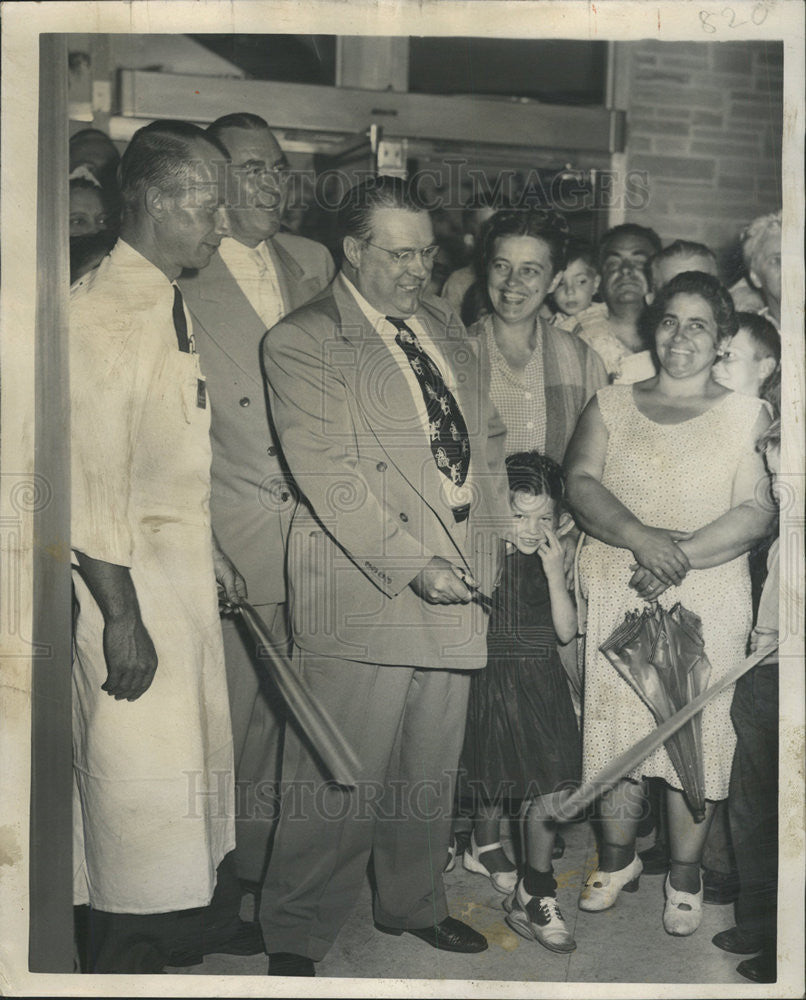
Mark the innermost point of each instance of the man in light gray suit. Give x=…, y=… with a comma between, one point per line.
x=382, y=408
x=259, y=275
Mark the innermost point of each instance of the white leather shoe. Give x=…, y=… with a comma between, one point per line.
x=503, y=881
x=683, y=911
x=602, y=888
x=538, y=918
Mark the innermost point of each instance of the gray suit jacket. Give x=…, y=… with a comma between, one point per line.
x=372, y=512
x=250, y=500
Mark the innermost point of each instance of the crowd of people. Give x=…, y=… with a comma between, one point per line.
x=441, y=506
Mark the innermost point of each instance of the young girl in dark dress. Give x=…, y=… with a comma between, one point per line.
x=522, y=740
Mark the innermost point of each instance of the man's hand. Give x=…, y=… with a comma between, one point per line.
x=440, y=583
x=647, y=584
x=131, y=660
x=657, y=550
x=231, y=584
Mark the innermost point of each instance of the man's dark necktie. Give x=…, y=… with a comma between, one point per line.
x=447, y=430
x=180, y=322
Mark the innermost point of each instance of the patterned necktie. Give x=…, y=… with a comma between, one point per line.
x=447, y=430
x=180, y=322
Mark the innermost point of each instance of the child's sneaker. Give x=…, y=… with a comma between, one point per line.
x=539, y=919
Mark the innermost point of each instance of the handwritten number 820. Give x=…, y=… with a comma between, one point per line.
x=758, y=15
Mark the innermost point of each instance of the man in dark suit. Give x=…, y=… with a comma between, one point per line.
x=258, y=276
x=381, y=405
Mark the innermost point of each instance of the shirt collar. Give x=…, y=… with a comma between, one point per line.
x=233, y=250
x=498, y=358
x=368, y=310
x=143, y=273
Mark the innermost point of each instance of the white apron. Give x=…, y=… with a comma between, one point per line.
x=154, y=809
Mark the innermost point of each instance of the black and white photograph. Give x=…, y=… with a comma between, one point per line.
x=402, y=573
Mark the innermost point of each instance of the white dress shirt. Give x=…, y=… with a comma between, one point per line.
x=255, y=274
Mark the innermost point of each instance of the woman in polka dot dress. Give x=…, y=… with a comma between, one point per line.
x=664, y=478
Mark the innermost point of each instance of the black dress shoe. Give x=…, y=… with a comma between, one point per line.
x=655, y=859
x=719, y=888
x=448, y=935
x=760, y=969
x=735, y=942
x=286, y=963
x=247, y=940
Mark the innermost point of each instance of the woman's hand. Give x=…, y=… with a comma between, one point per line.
x=656, y=549
x=646, y=583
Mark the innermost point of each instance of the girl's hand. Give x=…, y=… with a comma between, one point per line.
x=552, y=555
x=657, y=550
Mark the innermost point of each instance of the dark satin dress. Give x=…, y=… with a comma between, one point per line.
x=521, y=738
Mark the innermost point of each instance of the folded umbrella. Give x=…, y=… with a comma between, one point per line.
x=679, y=656
x=661, y=655
x=335, y=752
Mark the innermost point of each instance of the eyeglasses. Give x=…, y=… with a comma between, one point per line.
x=405, y=257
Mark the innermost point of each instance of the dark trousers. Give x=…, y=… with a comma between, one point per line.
x=753, y=803
x=144, y=942
x=258, y=721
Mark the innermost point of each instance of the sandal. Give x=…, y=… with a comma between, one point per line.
x=503, y=881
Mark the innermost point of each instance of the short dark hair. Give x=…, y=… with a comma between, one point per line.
x=159, y=154
x=766, y=344
x=629, y=229
x=684, y=248
x=354, y=213
x=483, y=200
x=707, y=287
x=766, y=339
x=540, y=223
x=536, y=474
x=238, y=119
x=581, y=250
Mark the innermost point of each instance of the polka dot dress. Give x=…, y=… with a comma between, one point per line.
x=670, y=476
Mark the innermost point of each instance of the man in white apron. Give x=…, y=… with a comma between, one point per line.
x=153, y=763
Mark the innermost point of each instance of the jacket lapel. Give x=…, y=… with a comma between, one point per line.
x=378, y=382
x=384, y=397
x=216, y=299
x=295, y=288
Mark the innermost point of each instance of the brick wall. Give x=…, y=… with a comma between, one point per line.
x=705, y=121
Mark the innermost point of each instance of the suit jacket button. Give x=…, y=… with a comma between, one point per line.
x=245, y=401
x=381, y=466
x=271, y=450
x=404, y=518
